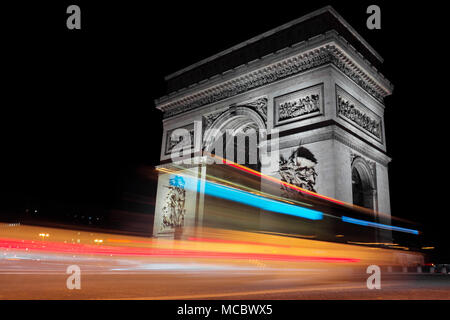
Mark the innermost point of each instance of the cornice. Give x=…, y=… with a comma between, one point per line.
x=287, y=25
x=318, y=51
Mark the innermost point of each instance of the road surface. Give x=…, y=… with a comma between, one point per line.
x=45, y=277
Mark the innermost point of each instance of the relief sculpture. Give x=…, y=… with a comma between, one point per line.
x=349, y=111
x=299, y=170
x=260, y=105
x=173, y=211
x=182, y=138
x=298, y=107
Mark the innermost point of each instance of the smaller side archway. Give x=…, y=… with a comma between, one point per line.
x=363, y=184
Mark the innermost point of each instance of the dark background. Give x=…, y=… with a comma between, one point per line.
x=78, y=123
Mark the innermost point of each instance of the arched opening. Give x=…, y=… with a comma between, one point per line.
x=362, y=186
x=240, y=146
x=234, y=136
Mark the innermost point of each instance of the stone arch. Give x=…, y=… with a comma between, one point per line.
x=238, y=122
x=234, y=119
x=363, y=184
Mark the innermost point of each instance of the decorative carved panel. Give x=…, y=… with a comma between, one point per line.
x=259, y=105
x=299, y=105
x=355, y=113
x=174, y=211
x=210, y=118
x=181, y=140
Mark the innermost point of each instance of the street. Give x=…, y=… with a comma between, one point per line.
x=168, y=279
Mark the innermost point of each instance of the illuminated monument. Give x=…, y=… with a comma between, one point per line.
x=313, y=86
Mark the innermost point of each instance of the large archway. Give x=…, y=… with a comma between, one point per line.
x=236, y=135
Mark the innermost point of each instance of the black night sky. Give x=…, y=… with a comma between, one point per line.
x=78, y=120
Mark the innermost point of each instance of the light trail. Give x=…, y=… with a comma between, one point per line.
x=228, y=193
x=247, y=198
x=237, y=242
x=276, y=180
x=294, y=187
x=378, y=225
x=45, y=246
x=239, y=186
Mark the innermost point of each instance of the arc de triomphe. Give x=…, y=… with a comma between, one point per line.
x=312, y=85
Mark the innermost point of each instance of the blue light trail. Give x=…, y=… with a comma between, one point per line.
x=378, y=225
x=227, y=193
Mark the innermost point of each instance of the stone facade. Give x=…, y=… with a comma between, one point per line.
x=324, y=98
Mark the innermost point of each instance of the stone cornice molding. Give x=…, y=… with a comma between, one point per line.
x=330, y=48
x=306, y=17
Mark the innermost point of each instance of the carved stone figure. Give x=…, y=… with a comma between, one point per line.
x=299, y=170
x=173, y=208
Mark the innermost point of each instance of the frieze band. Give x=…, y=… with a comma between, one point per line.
x=294, y=65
